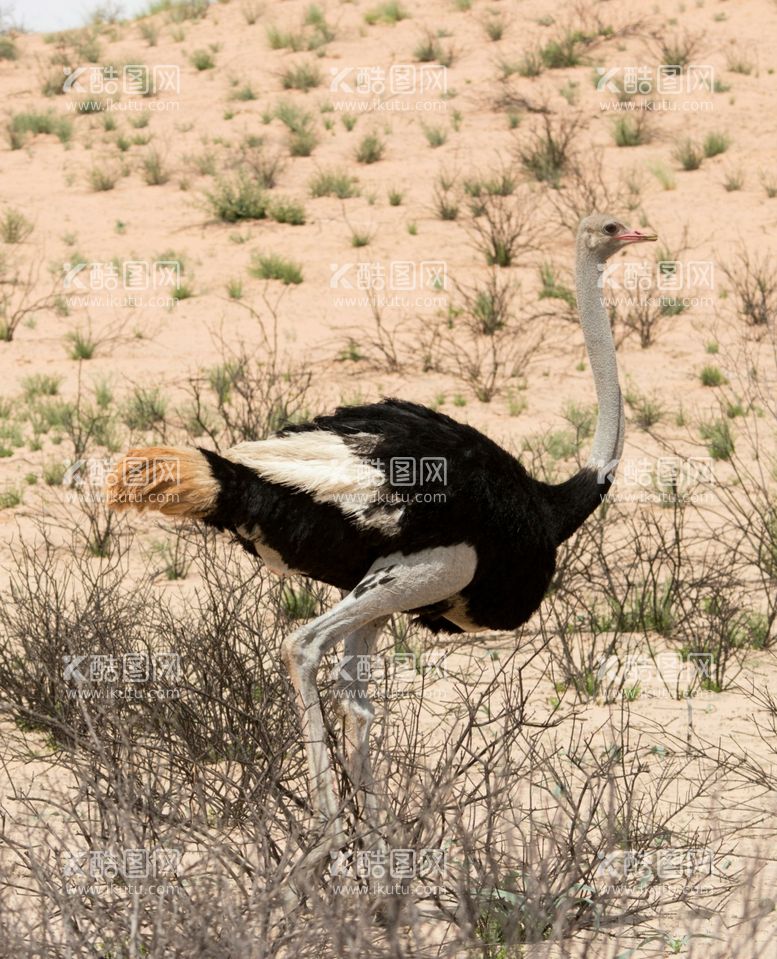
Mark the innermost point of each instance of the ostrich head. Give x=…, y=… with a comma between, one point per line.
x=603, y=234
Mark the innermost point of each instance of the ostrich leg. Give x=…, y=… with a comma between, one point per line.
x=393, y=584
x=358, y=712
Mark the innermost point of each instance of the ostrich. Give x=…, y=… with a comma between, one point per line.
x=475, y=550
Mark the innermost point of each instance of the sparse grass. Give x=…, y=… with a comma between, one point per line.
x=446, y=204
x=737, y=61
x=428, y=49
x=103, y=178
x=274, y=267
x=298, y=603
x=284, y=210
x=240, y=198
x=370, y=149
x=10, y=497
x=251, y=11
x=145, y=409
x=150, y=32
x=395, y=197
x=712, y=376
x=334, y=182
x=302, y=76
x=733, y=180
x=300, y=124
x=348, y=120
x=40, y=384
x=664, y=176
x=769, y=183
x=547, y=154
x=715, y=144
x=8, y=50
x=679, y=49
x=14, y=226
x=360, y=238
x=552, y=287
x=235, y=289
x=202, y=60
x=279, y=39
x=20, y=125
x=244, y=93
x=688, y=154
x=436, y=136
x=391, y=11
x=719, y=438
x=494, y=26
x=632, y=130
x=154, y=170
x=82, y=344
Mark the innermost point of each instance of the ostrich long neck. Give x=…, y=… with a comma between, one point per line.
x=574, y=500
x=608, y=439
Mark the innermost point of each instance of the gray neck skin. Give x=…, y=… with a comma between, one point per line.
x=608, y=440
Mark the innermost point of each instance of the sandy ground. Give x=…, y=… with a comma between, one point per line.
x=144, y=344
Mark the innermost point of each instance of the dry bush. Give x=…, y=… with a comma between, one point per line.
x=586, y=187
x=754, y=282
x=252, y=392
x=505, y=228
x=208, y=766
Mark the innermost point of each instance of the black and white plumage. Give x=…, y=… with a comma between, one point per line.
x=471, y=548
x=334, y=532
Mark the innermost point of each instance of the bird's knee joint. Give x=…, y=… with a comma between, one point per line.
x=355, y=707
x=296, y=653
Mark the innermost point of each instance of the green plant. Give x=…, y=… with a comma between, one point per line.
x=719, y=438
x=155, y=173
x=435, y=136
x=332, y=182
x=711, y=376
x=235, y=289
x=395, y=197
x=283, y=210
x=40, y=384
x=446, y=204
x=390, y=11
x=632, y=130
x=8, y=49
x=239, y=198
x=274, y=267
x=145, y=409
x=548, y=152
x=664, y=176
x=244, y=93
x=370, y=149
x=428, y=49
x=298, y=603
x=688, y=154
x=733, y=180
x=14, y=226
x=82, y=344
x=552, y=287
x=494, y=26
x=716, y=143
x=20, y=125
x=303, y=76
x=202, y=60
x=300, y=124
x=360, y=238
x=102, y=179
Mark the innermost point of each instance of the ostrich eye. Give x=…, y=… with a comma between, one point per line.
x=610, y=229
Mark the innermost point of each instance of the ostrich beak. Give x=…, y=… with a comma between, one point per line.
x=636, y=236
